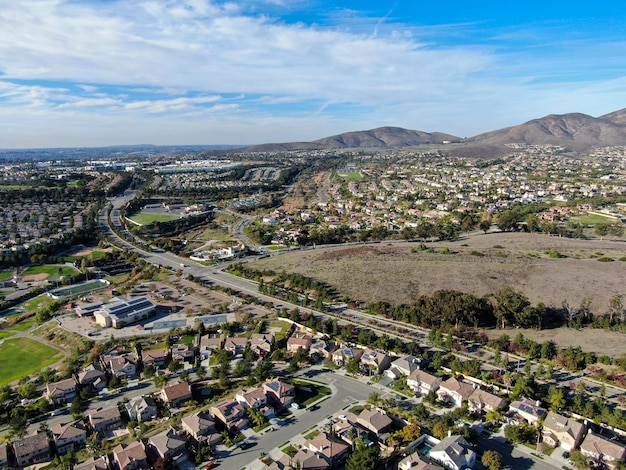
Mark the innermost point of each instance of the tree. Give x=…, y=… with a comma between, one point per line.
x=495, y=415
x=364, y=457
x=492, y=460
x=510, y=306
x=353, y=366
x=578, y=460
x=160, y=381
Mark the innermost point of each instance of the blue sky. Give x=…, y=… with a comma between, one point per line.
x=107, y=72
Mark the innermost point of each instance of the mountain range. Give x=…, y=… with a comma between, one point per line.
x=576, y=132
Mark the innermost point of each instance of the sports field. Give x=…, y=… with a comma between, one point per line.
x=23, y=356
x=78, y=289
x=145, y=218
x=50, y=270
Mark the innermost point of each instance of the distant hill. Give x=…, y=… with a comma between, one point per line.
x=575, y=132
x=381, y=137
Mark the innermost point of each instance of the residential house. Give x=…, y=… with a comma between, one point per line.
x=279, y=392
x=183, y=352
x=305, y=460
x=61, y=392
x=375, y=421
x=201, y=427
x=32, y=450
x=231, y=413
x=342, y=355
x=481, y=401
x=105, y=419
x=422, y=382
x=332, y=448
x=416, y=462
x=154, y=357
x=208, y=345
x=123, y=366
x=253, y=398
x=454, y=452
x=141, y=409
x=92, y=377
x=235, y=345
x=454, y=391
x=70, y=436
x=131, y=456
x=168, y=445
x=403, y=366
x=602, y=451
x=262, y=344
x=93, y=463
x=321, y=349
x=524, y=409
x=374, y=361
x=296, y=342
x=176, y=394
x=350, y=431
x=559, y=431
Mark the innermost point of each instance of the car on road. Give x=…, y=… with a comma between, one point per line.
x=246, y=445
x=314, y=407
x=342, y=417
x=211, y=464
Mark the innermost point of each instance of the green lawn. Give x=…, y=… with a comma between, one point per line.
x=23, y=356
x=23, y=325
x=36, y=303
x=5, y=334
x=51, y=270
x=145, y=218
x=353, y=176
x=4, y=275
x=592, y=219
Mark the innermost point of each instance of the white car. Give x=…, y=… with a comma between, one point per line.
x=342, y=417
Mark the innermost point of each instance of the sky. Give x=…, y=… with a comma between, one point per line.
x=78, y=73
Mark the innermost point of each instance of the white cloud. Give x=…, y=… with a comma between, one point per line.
x=138, y=67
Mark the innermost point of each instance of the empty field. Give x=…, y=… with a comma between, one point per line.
x=23, y=356
x=481, y=265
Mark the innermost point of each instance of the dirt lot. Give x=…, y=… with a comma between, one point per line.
x=480, y=265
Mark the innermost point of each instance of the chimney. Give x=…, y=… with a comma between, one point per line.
x=449, y=432
x=538, y=403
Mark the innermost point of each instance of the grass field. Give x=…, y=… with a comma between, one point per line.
x=4, y=275
x=23, y=356
x=50, y=270
x=36, y=303
x=145, y=218
x=80, y=288
x=23, y=325
x=221, y=235
x=592, y=219
x=94, y=254
x=352, y=176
